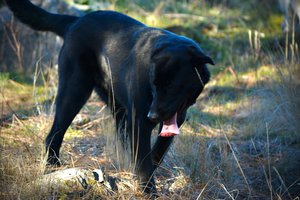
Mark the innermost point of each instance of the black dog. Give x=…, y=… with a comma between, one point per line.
x=146, y=75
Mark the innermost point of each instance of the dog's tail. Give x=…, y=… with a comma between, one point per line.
x=39, y=19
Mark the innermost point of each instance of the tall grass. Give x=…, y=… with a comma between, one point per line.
x=241, y=139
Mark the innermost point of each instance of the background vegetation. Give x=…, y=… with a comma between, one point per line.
x=241, y=139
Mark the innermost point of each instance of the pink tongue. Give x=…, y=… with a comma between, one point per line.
x=170, y=127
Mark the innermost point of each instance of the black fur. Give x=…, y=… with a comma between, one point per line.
x=144, y=74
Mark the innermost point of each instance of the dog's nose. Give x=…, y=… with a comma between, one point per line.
x=153, y=116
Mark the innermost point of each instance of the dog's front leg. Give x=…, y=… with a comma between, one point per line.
x=162, y=144
x=160, y=148
x=140, y=139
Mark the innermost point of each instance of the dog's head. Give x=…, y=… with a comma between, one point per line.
x=177, y=77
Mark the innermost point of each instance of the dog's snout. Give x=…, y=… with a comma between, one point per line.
x=153, y=116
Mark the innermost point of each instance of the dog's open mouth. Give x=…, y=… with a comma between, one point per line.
x=170, y=127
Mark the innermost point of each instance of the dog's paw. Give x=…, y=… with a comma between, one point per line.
x=53, y=161
x=149, y=191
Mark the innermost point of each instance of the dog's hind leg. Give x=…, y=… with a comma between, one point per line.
x=75, y=87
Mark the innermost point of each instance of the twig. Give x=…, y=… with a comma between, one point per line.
x=237, y=161
x=269, y=165
x=184, y=16
x=14, y=43
x=223, y=186
x=282, y=182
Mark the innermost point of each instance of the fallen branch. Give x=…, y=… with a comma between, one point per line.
x=76, y=180
x=184, y=16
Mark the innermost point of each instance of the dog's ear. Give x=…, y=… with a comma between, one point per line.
x=200, y=59
x=199, y=56
x=204, y=59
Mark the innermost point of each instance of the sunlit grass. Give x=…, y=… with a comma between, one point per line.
x=240, y=131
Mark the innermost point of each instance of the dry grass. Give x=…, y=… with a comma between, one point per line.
x=241, y=139
x=239, y=158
